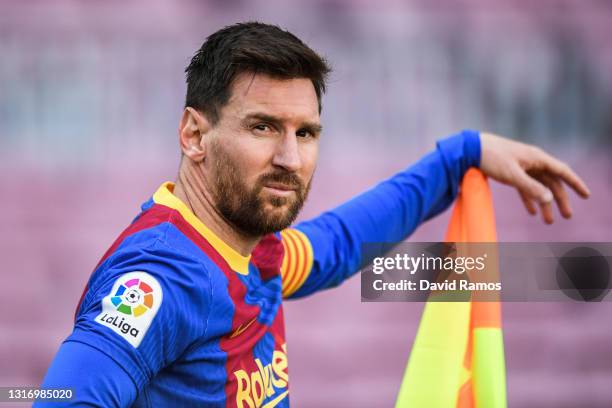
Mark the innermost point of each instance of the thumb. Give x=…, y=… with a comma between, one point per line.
x=532, y=187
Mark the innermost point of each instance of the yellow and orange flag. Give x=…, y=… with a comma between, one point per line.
x=457, y=359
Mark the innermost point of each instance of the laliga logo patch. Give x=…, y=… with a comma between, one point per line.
x=135, y=297
x=131, y=305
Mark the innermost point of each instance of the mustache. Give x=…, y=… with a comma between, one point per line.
x=290, y=180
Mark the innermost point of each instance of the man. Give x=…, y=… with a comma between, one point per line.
x=185, y=308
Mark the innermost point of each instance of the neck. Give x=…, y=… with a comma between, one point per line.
x=192, y=188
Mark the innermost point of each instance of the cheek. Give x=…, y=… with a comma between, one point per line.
x=251, y=161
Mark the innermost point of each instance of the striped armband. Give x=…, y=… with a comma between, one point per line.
x=297, y=261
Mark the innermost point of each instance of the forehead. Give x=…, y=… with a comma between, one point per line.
x=291, y=99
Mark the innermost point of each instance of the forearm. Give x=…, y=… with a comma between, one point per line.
x=394, y=208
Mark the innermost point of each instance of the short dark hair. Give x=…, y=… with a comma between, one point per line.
x=248, y=47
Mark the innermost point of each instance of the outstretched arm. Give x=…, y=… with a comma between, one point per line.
x=324, y=251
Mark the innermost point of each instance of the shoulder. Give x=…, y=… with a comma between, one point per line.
x=172, y=273
x=144, y=293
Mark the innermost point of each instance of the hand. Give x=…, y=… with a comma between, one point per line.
x=538, y=176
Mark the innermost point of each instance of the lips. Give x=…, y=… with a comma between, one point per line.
x=281, y=186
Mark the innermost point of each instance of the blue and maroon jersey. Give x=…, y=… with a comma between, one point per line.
x=173, y=316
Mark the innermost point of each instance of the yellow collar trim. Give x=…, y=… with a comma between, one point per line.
x=164, y=196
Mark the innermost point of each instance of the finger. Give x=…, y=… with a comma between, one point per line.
x=530, y=186
x=547, y=212
x=558, y=168
x=531, y=209
x=560, y=195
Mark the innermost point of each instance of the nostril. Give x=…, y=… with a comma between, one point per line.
x=288, y=163
x=288, y=159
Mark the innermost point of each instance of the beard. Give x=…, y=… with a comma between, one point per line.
x=248, y=209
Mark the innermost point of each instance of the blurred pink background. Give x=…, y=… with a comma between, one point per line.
x=90, y=97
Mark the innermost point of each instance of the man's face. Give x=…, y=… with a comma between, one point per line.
x=262, y=154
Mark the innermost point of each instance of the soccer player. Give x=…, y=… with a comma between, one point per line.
x=185, y=308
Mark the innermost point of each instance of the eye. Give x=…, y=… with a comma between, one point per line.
x=262, y=128
x=304, y=133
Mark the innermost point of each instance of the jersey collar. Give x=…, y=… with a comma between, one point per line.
x=164, y=196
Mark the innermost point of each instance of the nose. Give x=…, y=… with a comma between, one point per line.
x=287, y=154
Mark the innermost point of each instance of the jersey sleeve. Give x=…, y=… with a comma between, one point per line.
x=297, y=261
x=322, y=252
x=144, y=307
x=101, y=380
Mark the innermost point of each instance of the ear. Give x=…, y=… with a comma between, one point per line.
x=193, y=126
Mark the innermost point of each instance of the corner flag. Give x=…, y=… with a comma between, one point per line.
x=457, y=359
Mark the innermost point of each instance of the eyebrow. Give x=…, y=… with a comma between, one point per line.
x=313, y=127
